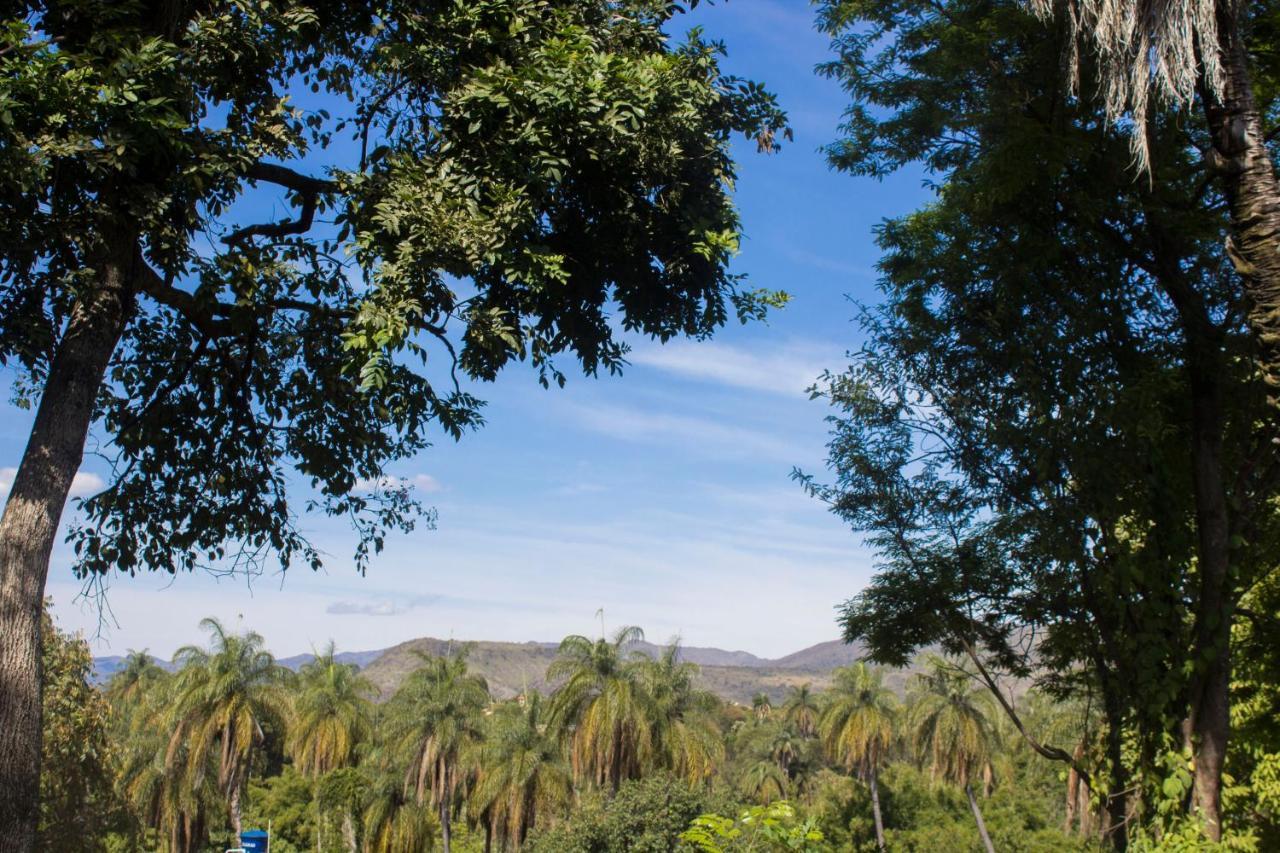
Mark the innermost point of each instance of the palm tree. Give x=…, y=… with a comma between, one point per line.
x=784, y=749
x=523, y=773
x=857, y=728
x=599, y=708
x=764, y=782
x=686, y=738
x=761, y=706
x=395, y=820
x=332, y=717
x=132, y=681
x=433, y=721
x=221, y=698
x=950, y=731
x=801, y=710
x=156, y=791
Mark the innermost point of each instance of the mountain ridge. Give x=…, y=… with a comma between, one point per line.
x=512, y=668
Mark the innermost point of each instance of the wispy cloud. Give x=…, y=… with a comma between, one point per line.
x=569, y=490
x=421, y=482
x=385, y=607
x=806, y=258
x=84, y=483
x=704, y=434
x=786, y=370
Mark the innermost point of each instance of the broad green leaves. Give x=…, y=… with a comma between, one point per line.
x=464, y=185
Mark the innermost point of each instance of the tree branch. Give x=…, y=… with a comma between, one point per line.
x=1052, y=753
x=310, y=189
x=190, y=308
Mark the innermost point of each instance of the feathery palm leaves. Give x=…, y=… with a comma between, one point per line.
x=950, y=730
x=761, y=706
x=686, y=738
x=857, y=728
x=433, y=722
x=332, y=715
x=220, y=699
x=599, y=708
x=522, y=773
x=801, y=710
x=395, y=821
x=159, y=793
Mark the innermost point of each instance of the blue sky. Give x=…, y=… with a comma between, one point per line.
x=661, y=496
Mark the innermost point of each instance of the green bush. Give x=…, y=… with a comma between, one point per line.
x=644, y=816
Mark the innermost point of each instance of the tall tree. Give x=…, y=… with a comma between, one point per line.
x=221, y=698
x=1208, y=52
x=331, y=717
x=433, y=721
x=395, y=820
x=157, y=792
x=800, y=709
x=523, y=772
x=565, y=160
x=600, y=709
x=686, y=737
x=1055, y=423
x=857, y=728
x=950, y=731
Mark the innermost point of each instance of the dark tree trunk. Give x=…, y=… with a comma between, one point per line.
x=444, y=823
x=1208, y=720
x=977, y=818
x=1252, y=191
x=30, y=523
x=873, y=783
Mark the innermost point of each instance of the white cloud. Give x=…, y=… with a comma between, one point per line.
x=83, y=484
x=384, y=607
x=643, y=425
x=422, y=482
x=788, y=370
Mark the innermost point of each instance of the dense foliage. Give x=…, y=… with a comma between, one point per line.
x=1054, y=432
x=444, y=764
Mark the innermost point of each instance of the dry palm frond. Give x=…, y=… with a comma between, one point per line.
x=1169, y=47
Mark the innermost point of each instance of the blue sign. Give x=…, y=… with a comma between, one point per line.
x=254, y=841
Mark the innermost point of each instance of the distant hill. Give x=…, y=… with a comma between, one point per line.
x=822, y=657
x=511, y=668
x=736, y=676
x=109, y=665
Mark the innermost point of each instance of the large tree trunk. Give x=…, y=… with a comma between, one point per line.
x=30, y=523
x=1252, y=191
x=873, y=783
x=1208, y=720
x=977, y=818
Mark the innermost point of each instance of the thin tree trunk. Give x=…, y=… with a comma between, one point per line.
x=1073, y=789
x=233, y=807
x=874, y=784
x=349, y=831
x=30, y=524
x=977, y=818
x=444, y=822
